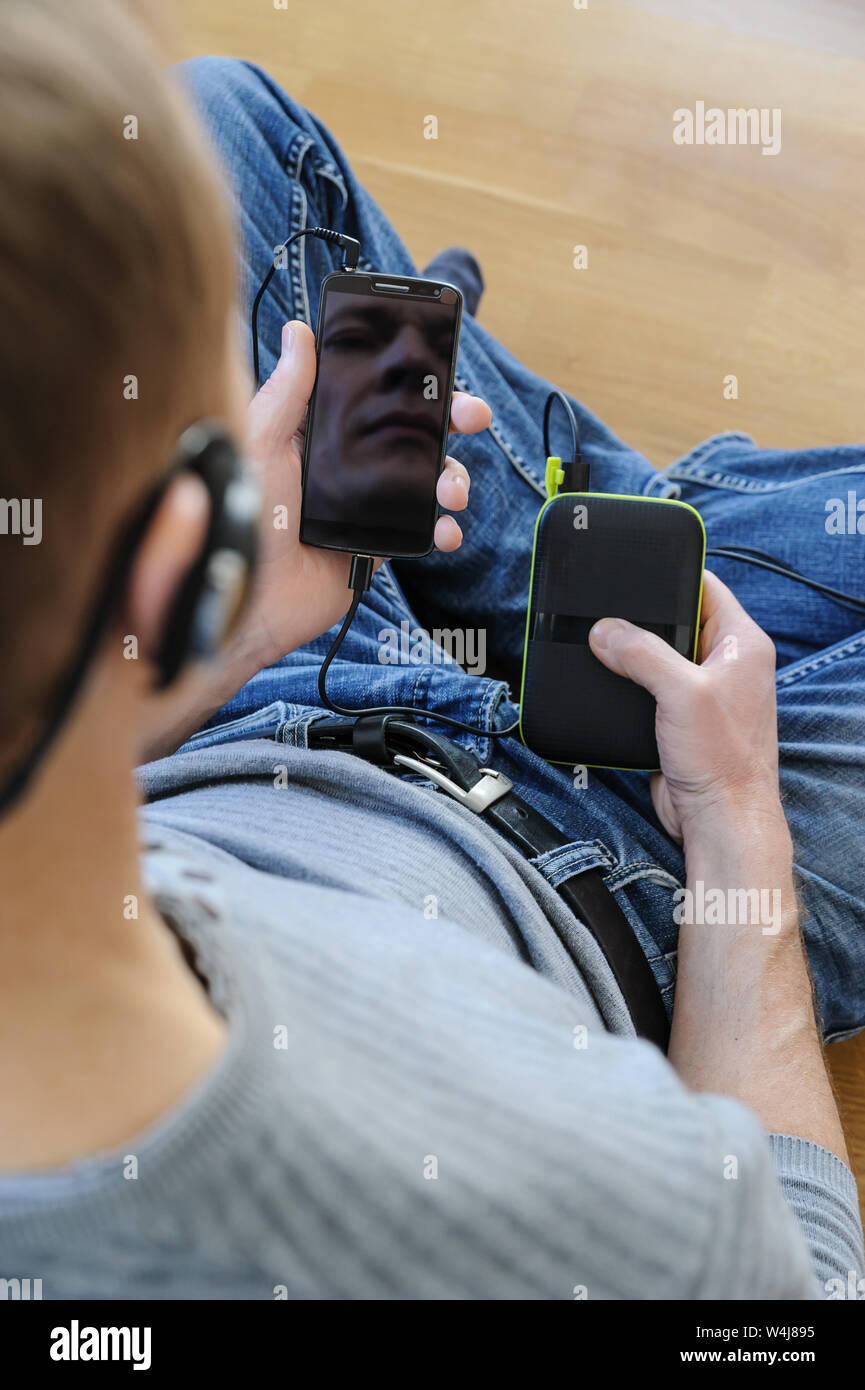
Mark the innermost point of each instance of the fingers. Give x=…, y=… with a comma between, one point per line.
x=452, y=489
x=650, y=661
x=448, y=535
x=723, y=618
x=469, y=414
x=721, y=609
x=279, y=407
x=641, y=656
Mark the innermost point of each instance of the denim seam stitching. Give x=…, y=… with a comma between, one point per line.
x=482, y=706
x=576, y=851
x=735, y=482
x=492, y=692
x=289, y=731
x=515, y=461
x=320, y=168
x=640, y=868
x=709, y=447
x=299, y=248
x=330, y=171
x=668, y=956
x=787, y=677
x=730, y=482
x=418, y=695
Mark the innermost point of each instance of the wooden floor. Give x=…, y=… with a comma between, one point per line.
x=554, y=130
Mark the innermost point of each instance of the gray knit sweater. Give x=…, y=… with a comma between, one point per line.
x=424, y=1093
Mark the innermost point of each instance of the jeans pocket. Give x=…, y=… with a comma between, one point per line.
x=696, y=460
x=641, y=888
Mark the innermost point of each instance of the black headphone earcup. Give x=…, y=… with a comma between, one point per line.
x=212, y=595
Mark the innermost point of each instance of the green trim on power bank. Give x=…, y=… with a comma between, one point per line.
x=618, y=496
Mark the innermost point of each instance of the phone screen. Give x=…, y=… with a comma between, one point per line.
x=378, y=422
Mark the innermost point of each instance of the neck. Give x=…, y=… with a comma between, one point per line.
x=83, y=948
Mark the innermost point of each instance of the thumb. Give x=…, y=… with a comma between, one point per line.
x=278, y=408
x=639, y=655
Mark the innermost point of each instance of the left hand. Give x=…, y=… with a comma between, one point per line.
x=301, y=591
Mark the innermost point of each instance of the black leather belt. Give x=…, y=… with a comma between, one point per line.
x=395, y=743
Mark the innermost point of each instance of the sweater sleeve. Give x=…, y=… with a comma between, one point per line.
x=785, y=1222
x=821, y=1192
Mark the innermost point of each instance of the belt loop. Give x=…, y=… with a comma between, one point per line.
x=369, y=738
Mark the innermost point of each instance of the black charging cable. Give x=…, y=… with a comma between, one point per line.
x=361, y=571
x=575, y=471
x=350, y=246
x=359, y=579
x=576, y=479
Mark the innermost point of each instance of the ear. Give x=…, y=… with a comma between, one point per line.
x=170, y=548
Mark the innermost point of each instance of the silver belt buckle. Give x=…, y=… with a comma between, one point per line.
x=485, y=793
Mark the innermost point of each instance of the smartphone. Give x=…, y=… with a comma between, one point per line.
x=379, y=416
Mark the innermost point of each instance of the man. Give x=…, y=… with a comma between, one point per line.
x=329, y=1034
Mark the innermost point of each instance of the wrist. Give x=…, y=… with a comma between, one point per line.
x=739, y=863
x=747, y=814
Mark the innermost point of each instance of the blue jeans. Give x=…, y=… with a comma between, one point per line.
x=287, y=171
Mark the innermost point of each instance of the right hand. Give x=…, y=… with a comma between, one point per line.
x=716, y=722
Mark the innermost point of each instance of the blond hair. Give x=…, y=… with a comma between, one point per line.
x=116, y=283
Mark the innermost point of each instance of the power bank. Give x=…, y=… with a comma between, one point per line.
x=598, y=555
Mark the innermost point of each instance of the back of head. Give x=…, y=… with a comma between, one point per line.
x=116, y=288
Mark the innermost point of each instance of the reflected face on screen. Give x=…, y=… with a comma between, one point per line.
x=381, y=397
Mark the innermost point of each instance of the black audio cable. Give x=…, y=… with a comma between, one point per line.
x=360, y=578
x=748, y=556
x=350, y=246
x=576, y=478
